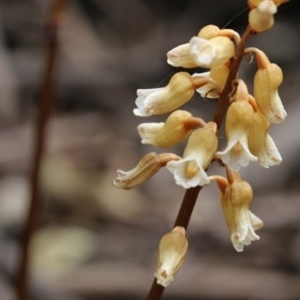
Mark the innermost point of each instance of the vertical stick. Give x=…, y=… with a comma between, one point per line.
x=44, y=111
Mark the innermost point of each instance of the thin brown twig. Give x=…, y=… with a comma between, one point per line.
x=43, y=115
x=191, y=195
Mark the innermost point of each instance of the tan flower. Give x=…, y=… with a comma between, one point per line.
x=177, y=127
x=198, y=154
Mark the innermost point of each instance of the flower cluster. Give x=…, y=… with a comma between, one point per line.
x=247, y=122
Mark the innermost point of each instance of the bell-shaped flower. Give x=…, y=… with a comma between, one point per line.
x=239, y=119
x=266, y=82
x=236, y=196
x=198, y=154
x=172, y=252
x=219, y=74
x=211, y=53
x=146, y=168
x=261, y=18
x=163, y=100
x=177, y=127
x=260, y=143
x=181, y=57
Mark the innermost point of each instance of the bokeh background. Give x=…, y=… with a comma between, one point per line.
x=94, y=241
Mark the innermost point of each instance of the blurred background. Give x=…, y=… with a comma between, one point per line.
x=94, y=241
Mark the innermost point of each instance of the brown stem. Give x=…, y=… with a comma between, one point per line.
x=44, y=111
x=223, y=102
x=191, y=194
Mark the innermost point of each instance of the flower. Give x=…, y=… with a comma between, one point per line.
x=177, y=127
x=163, y=100
x=239, y=119
x=261, y=18
x=267, y=80
x=219, y=74
x=236, y=196
x=211, y=53
x=199, y=152
x=180, y=57
x=260, y=143
x=146, y=168
x=172, y=252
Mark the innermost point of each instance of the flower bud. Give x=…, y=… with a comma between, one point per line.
x=172, y=252
x=208, y=32
x=211, y=53
x=177, y=127
x=181, y=57
x=255, y=3
x=146, y=168
x=198, y=154
x=261, y=18
x=163, y=100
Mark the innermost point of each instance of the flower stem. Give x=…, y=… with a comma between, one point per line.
x=43, y=115
x=191, y=194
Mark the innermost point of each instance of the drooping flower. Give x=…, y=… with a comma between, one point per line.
x=198, y=154
x=146, y=168
x=239, y=119
x=163, y=100
x=177, y=127
x=211, y=53
x=236, y=196
x=172, y=252
x=260, y=143
x=267, y=80
x=261, y=18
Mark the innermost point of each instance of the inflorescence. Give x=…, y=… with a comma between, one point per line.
x=248, y=119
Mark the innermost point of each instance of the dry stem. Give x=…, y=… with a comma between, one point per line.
x=43, y=115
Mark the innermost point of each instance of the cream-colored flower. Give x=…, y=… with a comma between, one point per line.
x=261, y=18
x=163, y=100
x=181, y=57
x=211, y=53
x=236, y=196
x=172, y=252
x=239, y=119
x=198, y=154
x=177, y=127
x=260, y=143
x=267, y=80
x=219, y=74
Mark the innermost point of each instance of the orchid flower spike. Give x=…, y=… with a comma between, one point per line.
x=198, y=154
x=177, y=127
x=260, y=143
x=239, y=119
x=146, y=168
x=172, y=252
x=261, y=18
x=163, y=100
x=236, y=196
x=267, y=80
